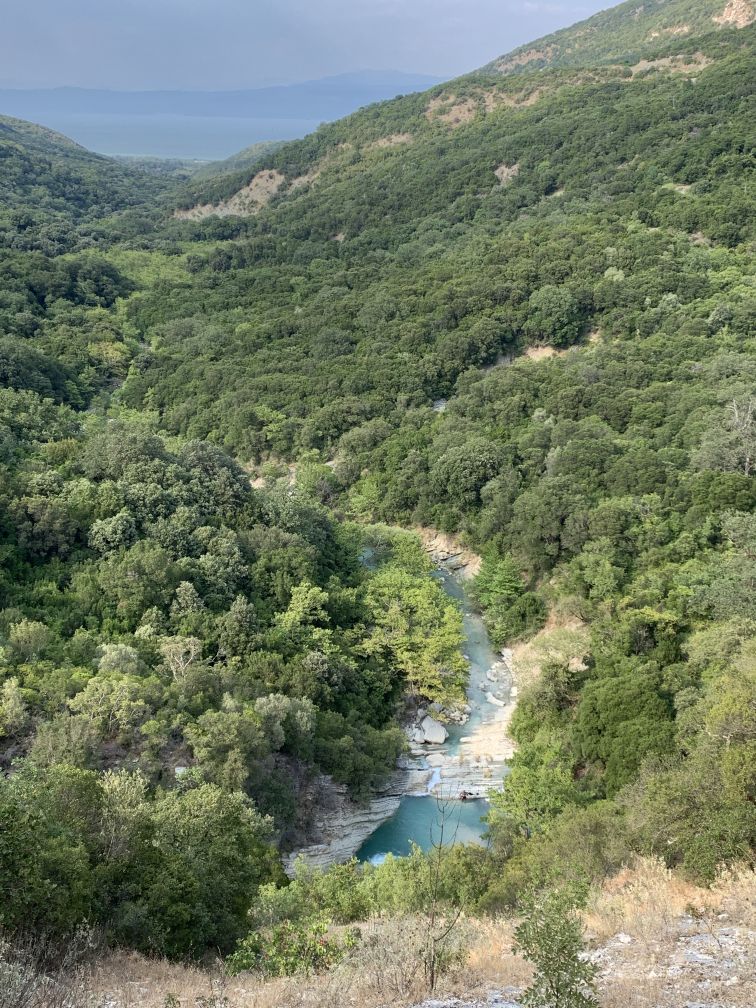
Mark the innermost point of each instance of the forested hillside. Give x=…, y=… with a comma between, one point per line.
x=54, y=194
x=518, y=308
x=605, y=220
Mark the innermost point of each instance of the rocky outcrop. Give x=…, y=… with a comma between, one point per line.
x=704, y=961
x=495, y=999
x=340, y=826
x=248, y=201
x=446, y=551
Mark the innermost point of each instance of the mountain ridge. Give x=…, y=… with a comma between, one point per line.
x=624, y=31
x=455, y=104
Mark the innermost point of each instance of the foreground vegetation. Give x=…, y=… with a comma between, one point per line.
x=660, y=918
x=518, y=309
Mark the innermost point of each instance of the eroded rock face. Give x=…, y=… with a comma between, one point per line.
x=434, y=731
x=446, y=552
x=739, y=13
x=248, y=201
x=339, y=825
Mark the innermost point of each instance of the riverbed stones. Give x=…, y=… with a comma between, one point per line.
x=433, y=731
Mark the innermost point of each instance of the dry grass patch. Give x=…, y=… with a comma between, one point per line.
x=642, y=901
x=690, y=64
x=491, y=960
x=388, y=967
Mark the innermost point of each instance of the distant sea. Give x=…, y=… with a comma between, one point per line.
x=201, y=138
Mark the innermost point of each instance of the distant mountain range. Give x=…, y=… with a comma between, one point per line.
x=329, y=98
x=203, y=125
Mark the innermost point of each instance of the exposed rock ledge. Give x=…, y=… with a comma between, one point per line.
x=446, y=551
x=339, y=825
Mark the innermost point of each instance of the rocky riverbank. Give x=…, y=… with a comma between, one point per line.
x=478, y=761
x=451, y=754
x=339, y=826
x=446, y=551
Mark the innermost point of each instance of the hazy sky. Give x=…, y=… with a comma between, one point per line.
x=143, y=44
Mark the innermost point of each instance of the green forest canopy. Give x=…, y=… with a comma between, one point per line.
x=180, y=648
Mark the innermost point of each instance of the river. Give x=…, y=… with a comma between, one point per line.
x=474, y=757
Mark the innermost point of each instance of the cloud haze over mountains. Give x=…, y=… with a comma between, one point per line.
x=191, y=44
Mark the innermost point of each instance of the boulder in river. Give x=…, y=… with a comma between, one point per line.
x=495, y=700
x=434, y=731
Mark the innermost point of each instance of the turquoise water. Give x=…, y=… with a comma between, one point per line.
x=419, y=819
x=425, y=822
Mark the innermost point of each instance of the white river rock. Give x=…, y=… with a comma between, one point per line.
x=434, y=731
x=495, y=700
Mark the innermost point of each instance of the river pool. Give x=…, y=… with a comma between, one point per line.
x=424, y=820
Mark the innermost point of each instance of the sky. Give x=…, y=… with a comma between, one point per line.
x=223, y=44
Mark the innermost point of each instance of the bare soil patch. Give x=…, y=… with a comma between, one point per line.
x=524, y=58
x=395, y=140
x=505, y=173
x=539, y=353
x=739, y=13
x=692, y=63
x=450, y=111
x=563, y=639
x=303, y=180
x=674, y=30
x=245, y=203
